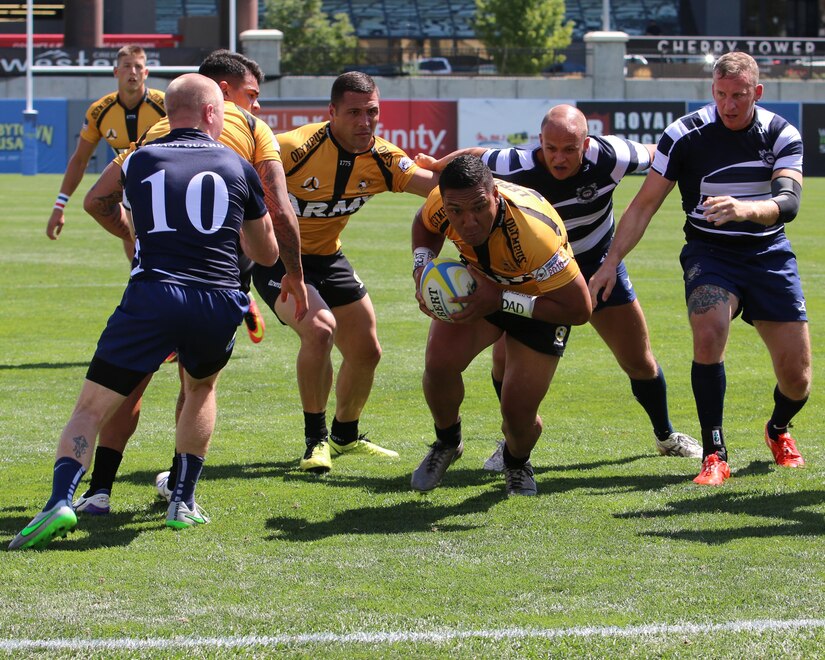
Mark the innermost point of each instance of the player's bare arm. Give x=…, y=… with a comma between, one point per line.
x=75, y=170
x=426, y=246
x=437, y=164
x=567, y=305
x=285, y=225
x=422, y=182
x=259, y=240
x=103, y=203
x=786, y=186
x=629, y=231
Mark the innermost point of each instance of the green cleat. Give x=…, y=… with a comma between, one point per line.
x=361, y=446
x=46, y=525
x=180, y=516
x=316, y=458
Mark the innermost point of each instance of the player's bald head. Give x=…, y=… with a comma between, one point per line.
x=567, y=118
x=188, y=96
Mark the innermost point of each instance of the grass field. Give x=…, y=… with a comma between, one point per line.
x=620, y=555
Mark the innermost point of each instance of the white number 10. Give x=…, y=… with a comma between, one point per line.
x=194, y=197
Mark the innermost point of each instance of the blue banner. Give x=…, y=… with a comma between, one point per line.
x=51, y=132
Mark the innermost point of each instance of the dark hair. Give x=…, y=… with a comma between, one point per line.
x=352, y=81
x=465, y=172
x=224, y=64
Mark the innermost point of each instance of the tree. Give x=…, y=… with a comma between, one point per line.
x=523, y=36
x=313, y=42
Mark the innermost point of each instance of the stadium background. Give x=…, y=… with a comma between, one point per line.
x=666, y=61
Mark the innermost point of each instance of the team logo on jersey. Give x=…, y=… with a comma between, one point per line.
x=587, y=193
x=362, y=185
x=111, y=134
x=405, y=163
x=557, y=263
x=767, y=157
x=311, y=184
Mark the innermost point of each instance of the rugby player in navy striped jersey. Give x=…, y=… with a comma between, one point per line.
x=577, y=174
x=739, y=170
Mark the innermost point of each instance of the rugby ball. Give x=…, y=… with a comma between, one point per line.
x=442, y=280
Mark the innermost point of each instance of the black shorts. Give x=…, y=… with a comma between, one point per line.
x=542, y=337
x=332, y=275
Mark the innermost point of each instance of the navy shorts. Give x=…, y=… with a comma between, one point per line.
x=156, y=318
x=542, y=337
x=764, y=277
x=332, y=275
x=623, y=292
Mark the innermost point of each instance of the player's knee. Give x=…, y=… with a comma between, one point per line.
x=796, y=384
x=320, y=335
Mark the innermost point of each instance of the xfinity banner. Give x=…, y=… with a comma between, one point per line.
x=51, y=135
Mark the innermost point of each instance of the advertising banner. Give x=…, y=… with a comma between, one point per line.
x=502, y=123
x=642, y=121
x=790, y=111
x=414, y=126
x=813, y=139
x=51, y=135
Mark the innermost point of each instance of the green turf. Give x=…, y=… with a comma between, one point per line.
x=618, y=536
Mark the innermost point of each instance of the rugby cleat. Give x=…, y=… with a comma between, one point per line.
x=45, y=526
x=172, y=357
x=180, y=516
x=714, y=471
x=496, y=461
x=520, y=480
x=254, y=321
x=316, y=458
x=784, y=450
x=431, y=470
x=162, y=485
x=95, y=504
x=679, y=444
x=361, y=446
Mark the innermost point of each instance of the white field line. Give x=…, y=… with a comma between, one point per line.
x=427, y=637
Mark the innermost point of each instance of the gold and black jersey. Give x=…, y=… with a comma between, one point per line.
x=246, y=135
x=109, y=119
x=527, y=250
x=327, y=183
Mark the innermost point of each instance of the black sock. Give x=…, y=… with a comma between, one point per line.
x=451, y=436
x=713, y=441
x=497, y=384
x=344, y=433
x=511, y=461
x=784, y=410
x=315, y=427
x=709, y=384
x=652, y=395
x=107, y=462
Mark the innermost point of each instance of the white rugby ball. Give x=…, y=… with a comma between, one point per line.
x=442, y=280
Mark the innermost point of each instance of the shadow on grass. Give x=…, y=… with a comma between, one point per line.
x=44, y=365
x=788, y=510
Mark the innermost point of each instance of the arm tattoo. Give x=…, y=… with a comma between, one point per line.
x=286, y=231
x=109, y=213
x=704, y=298
x=80, y=446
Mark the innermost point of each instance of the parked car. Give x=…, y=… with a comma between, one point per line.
x=433, y=66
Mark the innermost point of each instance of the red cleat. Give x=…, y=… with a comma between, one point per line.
x=254, y=321
x=172, y=357
x=714, y=471
x=784, y=450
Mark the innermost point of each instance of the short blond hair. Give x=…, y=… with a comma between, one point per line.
x=732, y=65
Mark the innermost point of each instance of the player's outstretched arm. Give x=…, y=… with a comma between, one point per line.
x=422, y=182
x=437, y=164
x=103, y=203
x=629, y=232
x=75, y=170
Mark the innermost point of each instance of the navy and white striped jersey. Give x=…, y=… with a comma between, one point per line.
x=585, y=200
x=189, y=195
x=708, y=160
